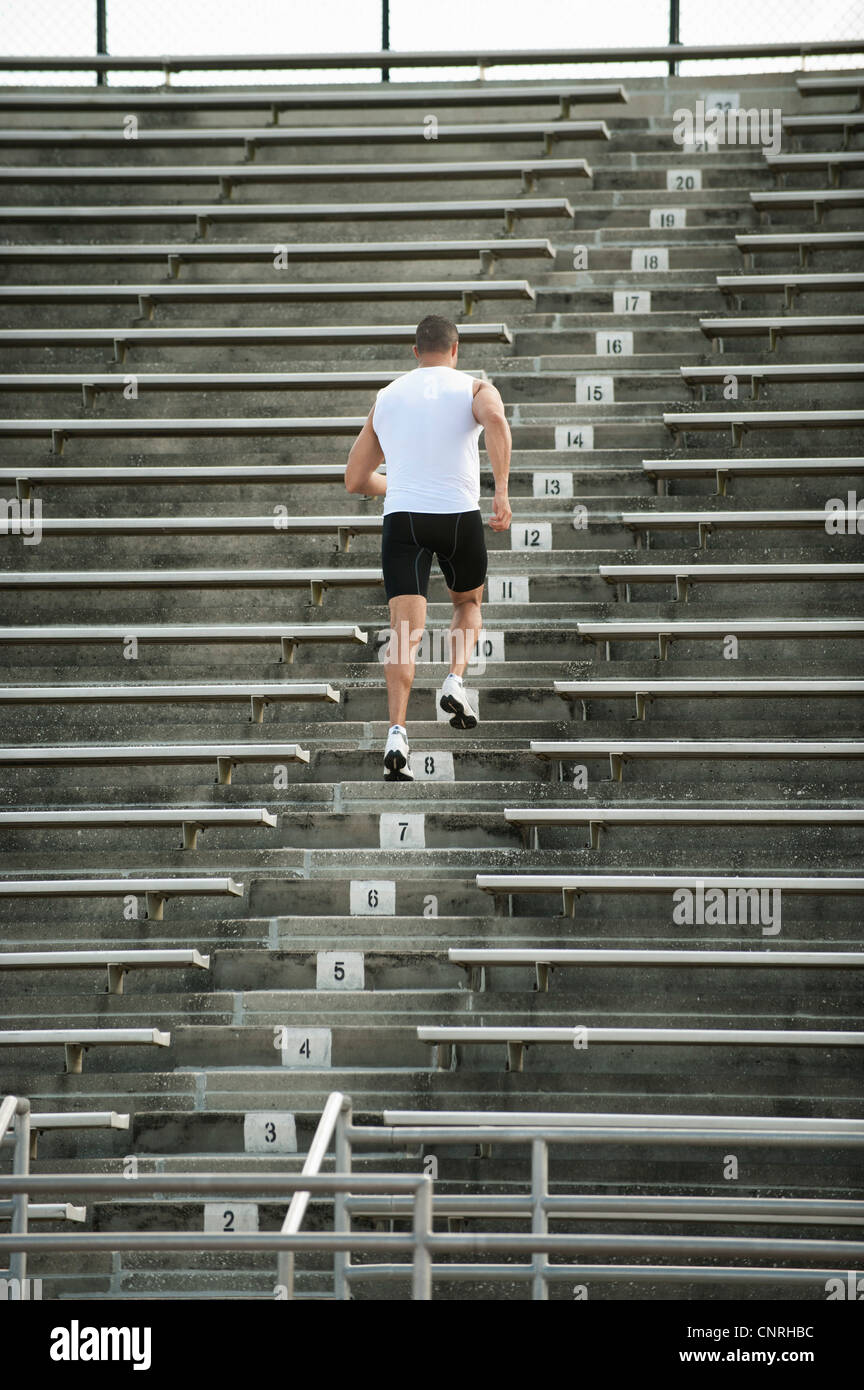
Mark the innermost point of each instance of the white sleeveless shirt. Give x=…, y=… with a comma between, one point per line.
x=426, y=427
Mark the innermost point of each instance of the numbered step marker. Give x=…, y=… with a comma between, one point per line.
x=649, y=258
x=269, y=1132
x=709, y=144
x=553, y=484
x=432, y=767
x=233, y=1217
x=490, y=647
x=340, y=970
x=372, y=898
x=721, y=101
x=595, y=390
x=535, y=535
x=397, y=831
x=509, y=588
x=631, y=301
x=612, y=344
x=306, y=1047
x=443, y=717
x=683, y=180
x=660, y=218
x=574, y=437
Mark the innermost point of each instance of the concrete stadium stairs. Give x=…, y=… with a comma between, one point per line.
x=187, y=1103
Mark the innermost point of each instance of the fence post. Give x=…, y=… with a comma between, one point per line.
x=421, y=1270
x=21, y=1168
x=101, y=37
x=539, y=1215
x=674, y=32
x=385, y=35
x=341, y=1215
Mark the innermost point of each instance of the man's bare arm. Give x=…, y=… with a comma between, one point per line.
x=364, y=459
x=488, y=410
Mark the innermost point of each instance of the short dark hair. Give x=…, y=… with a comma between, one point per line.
x=435, y=334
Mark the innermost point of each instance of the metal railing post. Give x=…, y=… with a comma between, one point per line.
x=341, y=1214
x=539, y=1216
x=101, y=37
x=385, y=36
x=20, y=1169
x=674, y=32
x=421, y=1264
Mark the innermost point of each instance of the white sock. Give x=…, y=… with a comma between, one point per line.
x=454, y=677
x=398, y=728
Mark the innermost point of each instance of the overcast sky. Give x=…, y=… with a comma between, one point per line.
x=291, y=26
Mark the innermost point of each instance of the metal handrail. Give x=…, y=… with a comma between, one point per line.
x=15, y=1121
x=337, y=1105
x=418, y=1244
x=420, y=58
x=539, y=1205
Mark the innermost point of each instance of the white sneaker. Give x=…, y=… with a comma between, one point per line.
x=454, y=700
x=396, y=767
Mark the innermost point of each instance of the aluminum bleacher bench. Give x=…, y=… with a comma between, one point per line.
x=832, y=161
x=483, y=94
x=156, y=891
x=203, y=214
x=318, y=580
x=118, y=963
x=837, y=85
x=839, y=122
x=91, y=383
x=176, y=253
x=820, y=200
x=46, y=1121
x=707, y=522
x=621, y=751
x=254, y=137
x=58, y=431
x=475, y=960
x=26, y=478
x=572, y=886
x=228, y=176
x=790, y=285
x=259, y=693
x=764, y=374
x=815, y=325
x=685, y=576
x=742, y=422
x=122, y=339
x=723, y=468
x=48, y=1211
x=597, y=818
x=343, y=527
x=287, y=634
x=581, y=1037
x=226, y=756
x=75, y=1041
x=192, y=820
x=753, y=244
x=645, y=692
x=315, y=292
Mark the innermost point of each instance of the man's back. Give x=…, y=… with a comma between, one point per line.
x=426, y=428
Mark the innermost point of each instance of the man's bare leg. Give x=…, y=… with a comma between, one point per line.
x=407, y=617
x=464, y=633
x=465, y=628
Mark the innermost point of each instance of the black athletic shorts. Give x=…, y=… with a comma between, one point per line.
x=409, y=540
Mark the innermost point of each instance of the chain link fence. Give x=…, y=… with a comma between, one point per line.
x=142, y=27
x=771, y=21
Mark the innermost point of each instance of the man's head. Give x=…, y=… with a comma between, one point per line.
x=436, y=342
